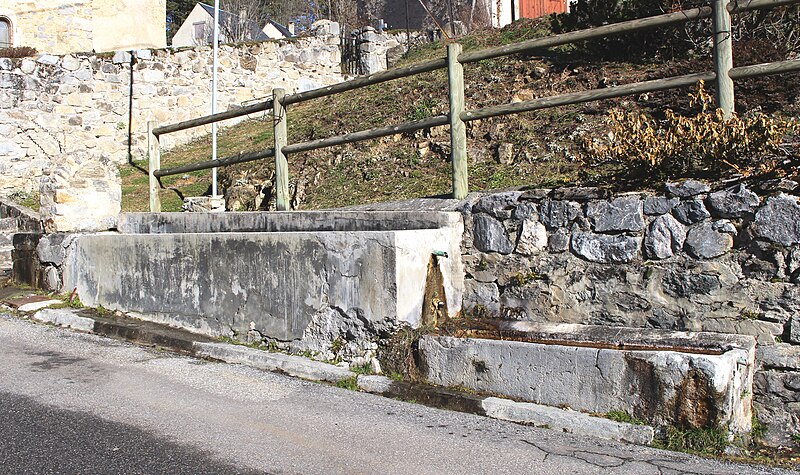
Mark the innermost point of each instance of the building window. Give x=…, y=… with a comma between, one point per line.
x=5, y=33
x=200, y=33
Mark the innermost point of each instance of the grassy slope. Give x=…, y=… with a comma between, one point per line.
x=543, y=144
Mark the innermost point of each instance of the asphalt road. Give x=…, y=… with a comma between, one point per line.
x=76, y=403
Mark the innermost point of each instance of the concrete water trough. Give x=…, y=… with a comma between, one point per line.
x=312, y=276
x=687, y=379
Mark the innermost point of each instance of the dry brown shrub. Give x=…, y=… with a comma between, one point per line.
x=690, y=145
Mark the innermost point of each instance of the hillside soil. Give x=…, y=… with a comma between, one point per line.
x=539, y=149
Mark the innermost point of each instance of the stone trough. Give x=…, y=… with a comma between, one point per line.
x=688, y=379
x=304, y=277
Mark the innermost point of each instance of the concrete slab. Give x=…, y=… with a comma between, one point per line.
x=566, y=420
x=288, y=221
x=64, y=317
x=660, y=387
x=292, y=365
x=34, y=306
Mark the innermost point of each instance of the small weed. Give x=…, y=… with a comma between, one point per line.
x=256, y=345
x=749, y=314
x=706, y=441
x=758, y=429
x=521, y=278
x=624, y=417
x=348, y=383
x=365, y=368
x=395, y=376
x=796, y=438
x=337, y=345
x=423, y=109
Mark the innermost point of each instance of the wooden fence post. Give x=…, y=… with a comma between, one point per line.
x=154, y=159
x=458, y=131
x=281, y=165
x=723, y=57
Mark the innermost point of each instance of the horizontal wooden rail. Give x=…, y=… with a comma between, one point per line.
x=232, y=160
x=614, y=29
x=765, y=69
x=368, y=134
x=210, y=119
x=586, y=96
x=376, y=78
x=741, y=72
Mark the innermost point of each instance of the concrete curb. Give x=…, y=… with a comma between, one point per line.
x=562, y=420
x=64, y=318
x=565, y=420
x=288, y=364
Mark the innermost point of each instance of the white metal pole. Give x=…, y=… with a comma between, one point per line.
x=214, y=98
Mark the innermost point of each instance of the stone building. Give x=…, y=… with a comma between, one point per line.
x=66, y=26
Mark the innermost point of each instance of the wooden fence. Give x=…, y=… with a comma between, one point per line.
x=724, y=74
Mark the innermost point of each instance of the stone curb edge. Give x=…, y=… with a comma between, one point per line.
x=563, y=420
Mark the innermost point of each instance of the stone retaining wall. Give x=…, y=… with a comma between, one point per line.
x=52, y=106
x=691, y=259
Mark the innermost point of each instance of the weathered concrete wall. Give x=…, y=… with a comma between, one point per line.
x=52, y=106
x=691, y=259
x=304, y=287
x=660, y=387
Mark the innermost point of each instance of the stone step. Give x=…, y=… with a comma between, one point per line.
x=660, y=377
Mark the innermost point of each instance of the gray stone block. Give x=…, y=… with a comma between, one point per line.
x=687, y=188
x=705, y=242
x=580, y=193
x=288, y=282
x=497, y=205
x=606, y=249
x=481, y=295
x=557, y=214
x=783, y=356
x=490, y=236
x=664, y=237
x=532, y=238
x=558, y=241
x=779, y=220
x=691, y=211
x=657, y=205
x=793, y=331
x=291, y=365
x=619, y=215
x=679, y=283
x=734, y=202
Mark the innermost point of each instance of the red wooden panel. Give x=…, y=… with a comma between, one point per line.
x=537, y=8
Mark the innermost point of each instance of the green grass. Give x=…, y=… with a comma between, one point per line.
x=706, y=441
x=348, y=383
x=622, y=416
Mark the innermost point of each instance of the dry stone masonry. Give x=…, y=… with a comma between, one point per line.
x=689, y=259
x=55, y=106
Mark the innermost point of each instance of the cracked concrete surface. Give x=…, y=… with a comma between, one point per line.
x=271, y=423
